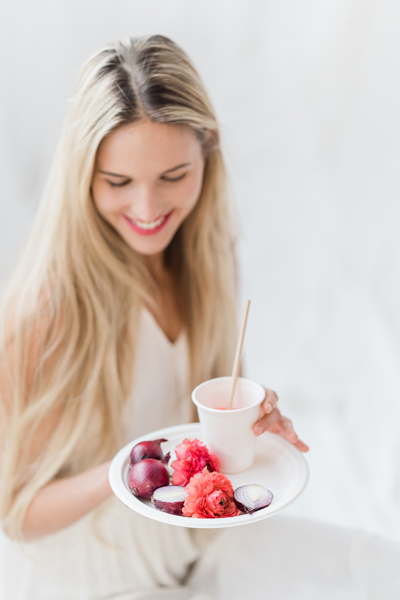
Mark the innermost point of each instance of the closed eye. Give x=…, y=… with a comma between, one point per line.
x=120, y=184
x=175, y=178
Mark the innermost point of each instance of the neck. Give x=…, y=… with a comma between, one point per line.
x=156, y=266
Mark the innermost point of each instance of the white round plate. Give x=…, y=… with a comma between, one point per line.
x=278, y=466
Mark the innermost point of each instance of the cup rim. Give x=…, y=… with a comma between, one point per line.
x=232, y=410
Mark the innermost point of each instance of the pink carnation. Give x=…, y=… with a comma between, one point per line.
x=192, y=457
x=210, y=496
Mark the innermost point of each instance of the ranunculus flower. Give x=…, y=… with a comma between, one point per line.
x=192, y=457
x=210, y=496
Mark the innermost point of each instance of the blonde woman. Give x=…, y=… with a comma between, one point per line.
x=122, y=303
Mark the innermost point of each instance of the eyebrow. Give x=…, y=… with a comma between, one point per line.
x=127, y=176
x=176, y=168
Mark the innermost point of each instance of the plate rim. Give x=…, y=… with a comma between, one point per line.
x=119, y=460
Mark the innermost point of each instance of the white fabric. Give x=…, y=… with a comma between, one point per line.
x=159, y=396
x=133, y=558
x=138, y=554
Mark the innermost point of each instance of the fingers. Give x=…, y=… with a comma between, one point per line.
x=301, y=446
x=270, y=401
x=267, y=421
x=287, y=431
x=275, y=423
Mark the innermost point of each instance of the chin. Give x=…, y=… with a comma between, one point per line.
x=149, y=249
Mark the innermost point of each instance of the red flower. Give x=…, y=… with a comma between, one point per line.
x=210, y=496
x=192, y=457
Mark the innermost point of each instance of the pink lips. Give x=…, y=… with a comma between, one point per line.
x=148, y=231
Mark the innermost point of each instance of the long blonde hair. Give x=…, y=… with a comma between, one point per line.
x=79, y=286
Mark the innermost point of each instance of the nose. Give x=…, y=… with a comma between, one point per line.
x=144, y=204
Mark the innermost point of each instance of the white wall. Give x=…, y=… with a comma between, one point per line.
x=308, y=96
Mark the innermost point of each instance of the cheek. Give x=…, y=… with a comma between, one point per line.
x=189, y=194
x=97, y=197
x=103, y=199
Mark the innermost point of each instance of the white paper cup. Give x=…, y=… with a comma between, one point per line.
x=228, y=433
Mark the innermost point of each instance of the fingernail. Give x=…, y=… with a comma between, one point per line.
x=259, y=429
x=269, y=407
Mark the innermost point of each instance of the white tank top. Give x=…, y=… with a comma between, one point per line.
x=159, y=395
x=141, y=559
x=137, y=555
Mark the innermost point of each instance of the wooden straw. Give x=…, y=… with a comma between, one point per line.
x=236, y=364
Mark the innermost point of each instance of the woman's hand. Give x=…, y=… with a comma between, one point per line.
x=272, y=420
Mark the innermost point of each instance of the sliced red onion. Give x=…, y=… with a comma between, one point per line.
x=170, y=499
x=146, y=476
x=252, y=497
x=149, y=449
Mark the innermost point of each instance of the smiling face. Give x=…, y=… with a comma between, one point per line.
x=147, y=179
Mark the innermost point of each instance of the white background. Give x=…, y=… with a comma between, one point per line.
x=308, y=97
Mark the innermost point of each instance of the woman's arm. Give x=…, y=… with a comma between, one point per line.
x=64, y=501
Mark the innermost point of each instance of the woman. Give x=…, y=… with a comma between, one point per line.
x=123, y=302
